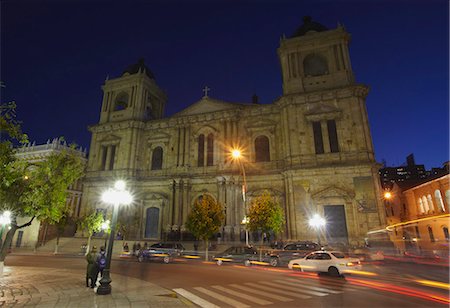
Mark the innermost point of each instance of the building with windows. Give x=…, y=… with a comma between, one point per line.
x=38, y=233
x=418, y=216
x=311, y=148
x=408, y=172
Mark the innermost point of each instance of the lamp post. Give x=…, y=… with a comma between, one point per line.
x=245, y=221
x=317, y=222
x=115, y=196
x=5, y=219
x=236, y=154
x=105, y=227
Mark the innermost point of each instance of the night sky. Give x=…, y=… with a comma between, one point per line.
x=55, y=57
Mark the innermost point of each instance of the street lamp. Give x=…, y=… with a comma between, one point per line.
x=317, y=222
x=115, y=196
x=245, y=221
x=236, y=154
x=105, y=227
x=5, y=219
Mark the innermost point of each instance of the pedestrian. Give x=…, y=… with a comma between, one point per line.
x=91, y=271
x=101, y=261
x=145, y=245
x=138, y=248
x=126, y=248
x=134, y=249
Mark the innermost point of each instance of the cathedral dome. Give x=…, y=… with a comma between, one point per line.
x=309, y=26
x=139, y=67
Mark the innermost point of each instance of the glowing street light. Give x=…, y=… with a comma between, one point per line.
x=237, y=155
x=5, y=219
x=317, y=222
x=115, y=196
x=387, y=195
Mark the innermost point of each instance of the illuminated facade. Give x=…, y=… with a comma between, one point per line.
x=37, y=232
x=311, y=148
x=419, y=216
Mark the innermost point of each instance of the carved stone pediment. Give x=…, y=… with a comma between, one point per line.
x=157, y=136
x=322, y=111
x=333, y=192
x=261, y=124
x=154, y=196
x=110, y=139
x=207, y=105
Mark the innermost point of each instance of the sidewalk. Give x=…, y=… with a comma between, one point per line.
x=49, y=287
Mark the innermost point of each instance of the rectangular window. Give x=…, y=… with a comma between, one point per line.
x=111, y=160
x=318, y=141
x=104, y=152
x=332, y=134
x=201, y=151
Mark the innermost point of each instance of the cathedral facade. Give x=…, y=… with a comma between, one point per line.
x=311, y=148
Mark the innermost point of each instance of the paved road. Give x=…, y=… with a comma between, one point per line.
x=209, y=285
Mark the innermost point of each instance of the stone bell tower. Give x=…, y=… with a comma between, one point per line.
x=315, y=58
x=132, y=96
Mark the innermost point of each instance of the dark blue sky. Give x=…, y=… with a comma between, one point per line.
x=55, y=57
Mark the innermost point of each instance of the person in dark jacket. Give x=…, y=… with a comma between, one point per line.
x=92, y=270
x=100, y=261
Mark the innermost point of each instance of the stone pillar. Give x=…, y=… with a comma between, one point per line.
x=186, y=198
x=325, y=137
x=291, y=206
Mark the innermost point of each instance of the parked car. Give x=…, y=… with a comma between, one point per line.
x=336, y=263
x=161, y=251
x=239, y=254
x=292, y=251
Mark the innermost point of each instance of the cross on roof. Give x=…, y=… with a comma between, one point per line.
x=205, y=90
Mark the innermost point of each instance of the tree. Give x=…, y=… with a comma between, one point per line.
x=38, y=190
x=265, y=214
x=205, y=219
x=91, y=223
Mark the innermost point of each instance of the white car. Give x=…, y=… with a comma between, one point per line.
x=333, y=262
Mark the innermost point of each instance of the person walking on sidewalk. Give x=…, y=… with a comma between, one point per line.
x=91, y=271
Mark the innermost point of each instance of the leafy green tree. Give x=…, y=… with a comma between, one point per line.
x=91, y=223
x=205, y=219
x=36, y=190
x=265, y=214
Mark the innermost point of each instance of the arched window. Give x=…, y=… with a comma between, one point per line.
x=152, y=222
x=430, y=203
x=210, y=150
x=439, y=201
x=201, y=150
x=262, y=149
x=157, y=158
x=445, y=229
x=425, y=204
x=421, y=209
x=121, y=102
x=315, y=65
x=430, y=233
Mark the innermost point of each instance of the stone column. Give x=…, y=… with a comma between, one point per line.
x=186, y=198
x=325, y=137
x=291, y=205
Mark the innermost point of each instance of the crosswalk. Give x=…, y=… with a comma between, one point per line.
x=261, y=293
